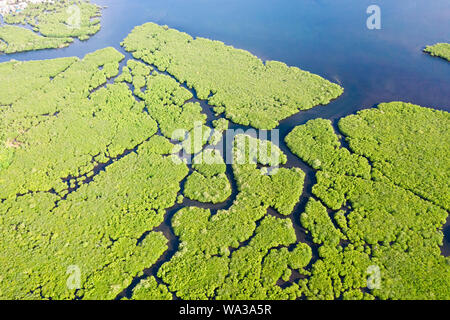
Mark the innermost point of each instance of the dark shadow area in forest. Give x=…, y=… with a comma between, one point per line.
x=445, y=249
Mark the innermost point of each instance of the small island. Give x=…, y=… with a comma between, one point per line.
x=93, y=177
x=441, y=50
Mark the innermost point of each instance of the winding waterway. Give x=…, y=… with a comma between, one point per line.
x=325, y=37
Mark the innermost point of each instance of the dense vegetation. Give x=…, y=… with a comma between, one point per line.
x=53, y=112
x=220, y=126
x=388, y=199
x=149, y=289
x=17, y=39
x=403, y=153
x=208, y=183
x=49, y=25
x=441, y=50
x=248, y=90
x=69, y=203
x=167, y=102
x=227, y=249
x=87, y=175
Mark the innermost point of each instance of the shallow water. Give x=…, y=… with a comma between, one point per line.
x=326, y=37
